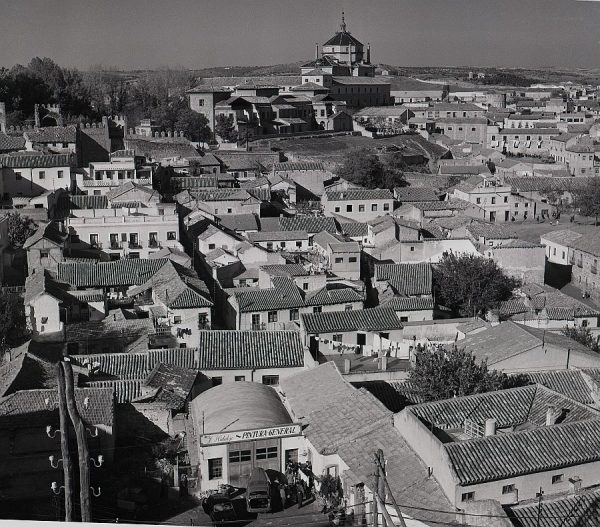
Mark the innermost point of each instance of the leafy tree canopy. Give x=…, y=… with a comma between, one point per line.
x=588, y=198
x=471, y=285
x=19, y=229
x=225, y=128
x=13, y=326
x=584, y=336
x=444, y=374
x=364, y=168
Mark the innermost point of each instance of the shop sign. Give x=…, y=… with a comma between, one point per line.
x=250, y=435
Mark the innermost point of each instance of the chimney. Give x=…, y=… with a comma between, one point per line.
x=574, y=484
x=490, y=427
x=368, y=61
x=552, y=414
x=347, y=366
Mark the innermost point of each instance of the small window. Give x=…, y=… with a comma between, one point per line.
x=42, y=174
x=386, y=206
x=348, y=307
x=177, y=319
x=412, y=249
x=468, y=496
x=44, y=320
x=339, y=260
x=305, y=286
x=269, y=452
x=238, y=456
x=508, y=489
x=215, y=468
x=44, y=254
x=294, y=314
x=505, y=199
x=403, y=319
x=282, y=245
x=478, y=201
x=317, y=309
x=60, y=174
x=270, y=380
x=352, y=259
x=272, y=316
x=493, y=201
x=18, y=176
x=374, y=207
x=298, y=244
x=240, y=378
x=557, y=478
x=337, y=337
x=216, y=381
x=211, y=246
x=348, y=208
x=361, y=208
x=171, y=235
x=337, y=209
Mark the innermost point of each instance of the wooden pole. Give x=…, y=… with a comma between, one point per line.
x=82, y=447
x=375, y=496
x=381, y=489
x=380, y=466
x=64, y=444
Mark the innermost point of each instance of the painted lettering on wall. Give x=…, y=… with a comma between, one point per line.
x=249, y=435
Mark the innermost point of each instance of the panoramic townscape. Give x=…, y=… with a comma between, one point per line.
x=335, y=292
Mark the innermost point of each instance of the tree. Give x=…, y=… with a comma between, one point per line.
x=444, y=374
x=584, y=336
x=471, y=285
x=364, y=168
x=19, y=229
x=588, y=198
x=225, y=128
x=13, y=325
x=330, y=491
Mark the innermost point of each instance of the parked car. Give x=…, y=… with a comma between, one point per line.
x=219, y=507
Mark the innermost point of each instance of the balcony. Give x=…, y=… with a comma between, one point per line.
x=115, y=245
x=153, y=244
x=96, y=245
x=259, y=327
x=135, y=245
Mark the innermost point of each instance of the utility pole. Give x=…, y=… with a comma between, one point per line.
x=64, y=444
x=380, y=461
x=82, y=447
x=375, y=493
x=540, y=496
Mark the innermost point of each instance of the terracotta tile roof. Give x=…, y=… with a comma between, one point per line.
x=582, y=509
x=354, y=229
x=291, y=166
x=358, y=194
x=35, y=161
x=372, y=319
x=28, y=408
x=268, y=236
x=588, y=243
x=570, y=383
x=48, y=231
x=124, y=366
x=287, y=270
x=538, y=450
x=326, y=297
x=513, y=307
x=403, y=303
x=285, y=295
x=162, y=148
x=407, y=279
x=194, y=182
x=239, y=222
x=416, y=194
x=562, y=236
x=52, y=134
x=10, y=143
x=310, y=224
x=395, y=395
x=222, y=195
x=125, y=390
x=108, y=274
x=533, y=184
x=490, y=230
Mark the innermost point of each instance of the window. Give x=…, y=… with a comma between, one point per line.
x=18, y=176
x=557, y=478
x=272, y=316
x=403, y=319
x=352, y=259
x=171, y=235
x=177, y=319
x=44, y=320
x=348, y=208
x=238, y=456
x=386, y=206
x=215, y=468
x=317, y=309
x=478, y=201
x=473, y=129
x=270, y=246
x=60, y=174
x=266, y=453
x=44, y=254
x=337, y=209
x=412, y=249
x=294, y=314
x=507, y=489
x=468, y=496
x=493, y=201
x=240, y=378
x=361, y=208
x=505, y=199
x=305, y=286
x=211, y=246
x=584, y=323
x=374, y=207
x=216, y=381
x=348, y=307
x=337, y=337
x=339, y=260
x=42, y=174
x=298, y=244
x=516, y=205
x=270, y=380
x=282, y=244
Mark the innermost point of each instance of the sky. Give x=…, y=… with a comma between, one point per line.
x=140, y=34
